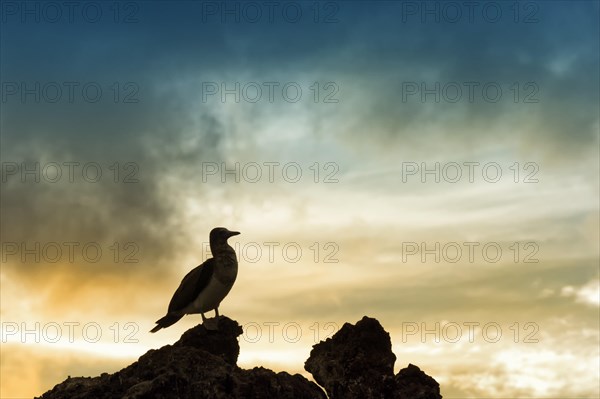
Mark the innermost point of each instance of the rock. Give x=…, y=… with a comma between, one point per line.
x=358, y=362
x=222, y=342
x=264, y=383
x=414, y=383
x=355, y=361
x=202, y=364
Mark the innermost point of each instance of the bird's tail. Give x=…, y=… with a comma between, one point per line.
x=166, y=321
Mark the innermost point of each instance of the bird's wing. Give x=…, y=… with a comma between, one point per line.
x=193, y=282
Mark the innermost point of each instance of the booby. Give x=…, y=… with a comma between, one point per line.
x=203, y=288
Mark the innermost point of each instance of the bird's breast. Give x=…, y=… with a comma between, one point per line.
x=226, y=269
x=210, y=297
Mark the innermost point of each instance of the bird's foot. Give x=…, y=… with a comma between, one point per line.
x=211, y=324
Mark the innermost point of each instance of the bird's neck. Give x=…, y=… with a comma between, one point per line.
x=226, y=263
x=223, y=251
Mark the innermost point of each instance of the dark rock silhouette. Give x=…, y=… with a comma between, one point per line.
x=357, y=362
x=202, y=364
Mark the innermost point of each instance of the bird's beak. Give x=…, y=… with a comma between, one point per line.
x=233, y=233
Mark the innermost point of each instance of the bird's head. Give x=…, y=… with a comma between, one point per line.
x=219, y=235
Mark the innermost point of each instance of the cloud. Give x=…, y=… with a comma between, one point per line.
x=588, y=294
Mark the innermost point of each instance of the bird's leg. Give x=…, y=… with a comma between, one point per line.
x=216, y=319
x=210, y=324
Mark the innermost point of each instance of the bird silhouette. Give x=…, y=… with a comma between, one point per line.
x=205, y=286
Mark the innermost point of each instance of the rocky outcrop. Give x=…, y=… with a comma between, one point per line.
x=202, y=364
x=357, y=362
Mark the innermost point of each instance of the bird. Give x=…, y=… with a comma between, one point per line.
x=205, y=286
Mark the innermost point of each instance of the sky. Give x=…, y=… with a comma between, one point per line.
x=431, y=164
